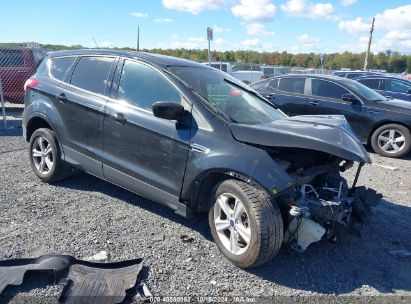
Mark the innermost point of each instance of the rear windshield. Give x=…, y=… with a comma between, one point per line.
x=11, y=58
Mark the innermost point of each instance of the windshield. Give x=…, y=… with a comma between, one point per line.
x=227, y=95
x=364, y=92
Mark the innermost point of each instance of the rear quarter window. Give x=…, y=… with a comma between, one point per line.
x=60, y=66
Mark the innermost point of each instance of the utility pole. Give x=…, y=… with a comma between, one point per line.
x=138, y=38
x=369, y=45
x=95, y=42
x=209, y=38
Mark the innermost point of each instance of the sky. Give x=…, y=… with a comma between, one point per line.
x=296, y=26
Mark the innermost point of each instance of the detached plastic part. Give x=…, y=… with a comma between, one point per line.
x=86, y=282
x=304, y=231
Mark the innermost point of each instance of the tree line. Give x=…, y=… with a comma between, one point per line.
x=391, y=61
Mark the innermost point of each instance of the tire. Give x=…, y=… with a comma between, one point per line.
x=263, y=227
x=45, y=157
x=391, y=140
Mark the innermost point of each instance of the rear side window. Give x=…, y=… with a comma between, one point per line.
x=143, y=86
x=11, y=58
x=371, y=83
x=327, y=89
x=91, y=73
x=398, y=86
x=60, y=66
x=292, y=85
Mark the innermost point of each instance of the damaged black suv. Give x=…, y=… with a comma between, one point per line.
x=197, y=140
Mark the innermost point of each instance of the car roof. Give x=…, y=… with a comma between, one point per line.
x=155, y=59
x=329, y=77
x=381, y=76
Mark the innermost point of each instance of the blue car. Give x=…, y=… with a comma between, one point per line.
x=389, y=86
x=353, y=74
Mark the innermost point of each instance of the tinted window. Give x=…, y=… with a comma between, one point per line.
x=371, y=83
x=327, y=89
x=91, y=74
x=398, y=86
x=362, y=91
x=292, y=85
x=11, y=58
x=59, y=67
x=143, y=86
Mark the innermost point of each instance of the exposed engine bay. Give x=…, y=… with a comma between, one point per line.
x=321, y=202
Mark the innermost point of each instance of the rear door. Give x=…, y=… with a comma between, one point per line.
x=81, y=102
x=144, y=153
x=288, y=93
x=328, y=96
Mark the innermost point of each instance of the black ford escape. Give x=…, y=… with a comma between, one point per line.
x=197, y=140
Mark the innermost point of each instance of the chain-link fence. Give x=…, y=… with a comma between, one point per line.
x=17, y=64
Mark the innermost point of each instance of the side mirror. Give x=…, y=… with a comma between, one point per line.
x=350, y=98
x=168, y=110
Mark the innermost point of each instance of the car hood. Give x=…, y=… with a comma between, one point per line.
x=326, y=133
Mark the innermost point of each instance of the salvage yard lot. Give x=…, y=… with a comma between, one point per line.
x=84, y=215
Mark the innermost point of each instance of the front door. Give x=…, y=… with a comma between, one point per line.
x=144, y=153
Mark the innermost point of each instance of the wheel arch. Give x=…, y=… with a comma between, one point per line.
x=202, y=187
x=36, y=122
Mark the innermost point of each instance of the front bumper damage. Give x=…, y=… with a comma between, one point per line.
x=326, y=206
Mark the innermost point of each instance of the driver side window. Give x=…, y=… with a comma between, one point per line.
x=142, y=86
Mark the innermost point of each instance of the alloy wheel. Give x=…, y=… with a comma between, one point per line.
x=232, y=223
x=42, y=155
x=391, y=141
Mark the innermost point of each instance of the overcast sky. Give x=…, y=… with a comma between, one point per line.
x=263, y=25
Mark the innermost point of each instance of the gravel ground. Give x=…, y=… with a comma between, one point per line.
x=85, y=215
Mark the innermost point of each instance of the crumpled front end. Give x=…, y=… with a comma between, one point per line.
x=323, y=205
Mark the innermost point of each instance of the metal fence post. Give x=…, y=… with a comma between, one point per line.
x=2, y=106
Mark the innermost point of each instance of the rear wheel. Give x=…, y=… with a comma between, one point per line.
x=391, y=140
x=246, y=226
x=45, y=156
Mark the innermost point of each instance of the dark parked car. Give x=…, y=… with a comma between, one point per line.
x=197, y=140
x=389, y=86
x=353, y=74
x=16, y=66
x=383, y=123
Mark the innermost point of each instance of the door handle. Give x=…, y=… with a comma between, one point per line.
x=314, y=103
x=270, y=96
x=63, y=98
x=119, y=117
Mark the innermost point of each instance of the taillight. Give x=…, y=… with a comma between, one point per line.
x=263, y=77
x=30, y=83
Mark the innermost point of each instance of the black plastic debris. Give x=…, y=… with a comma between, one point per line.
x=85, y=282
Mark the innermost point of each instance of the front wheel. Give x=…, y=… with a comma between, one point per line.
x=245, y=224
x=391, y=140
